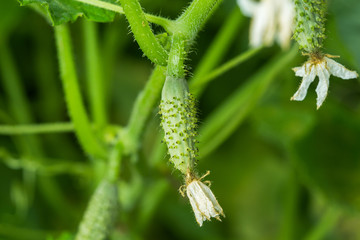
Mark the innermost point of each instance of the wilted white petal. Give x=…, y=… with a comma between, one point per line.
x=247, y=7
x=339, y=70
x=308, y=77
x=198, y=216
x=203, y=202
x=303, y=70
x=216, y=209
x=323, y=86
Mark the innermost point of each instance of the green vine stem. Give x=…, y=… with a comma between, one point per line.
x=44, y=128
x=76, y=109
x=47, y=167
x=194, y=17
x=142, y=109
x=201, y=82
x=94, y=72
x=142, y=32
x=177, y=54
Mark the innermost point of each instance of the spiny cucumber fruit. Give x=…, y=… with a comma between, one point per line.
x=100, y=214
x=310, y=24
x=179, y=121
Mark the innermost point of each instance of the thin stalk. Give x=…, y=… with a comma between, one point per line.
x=219, y=46
x=142, y=32
x=143, y=107
x=194, y=17
x=84, y=133
x=326, y=224
x=200, y=83
x=49, y=167
x=36, y=128
x=94, y=72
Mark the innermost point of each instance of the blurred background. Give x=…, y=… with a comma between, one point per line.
x=284, y=171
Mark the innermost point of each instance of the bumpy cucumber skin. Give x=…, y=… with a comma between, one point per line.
x=179, y=121
x=310, y=24
x=100, y=214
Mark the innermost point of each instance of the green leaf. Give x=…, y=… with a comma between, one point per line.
x=329, y=156
x=62, y=11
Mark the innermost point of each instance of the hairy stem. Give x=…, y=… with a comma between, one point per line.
x=142, y=32
x=194, y=17
x=84, y=133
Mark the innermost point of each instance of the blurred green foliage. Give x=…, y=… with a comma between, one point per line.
x=279, y=174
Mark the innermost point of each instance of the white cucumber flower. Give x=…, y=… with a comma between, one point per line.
x=272, y=20
x=321, y=66
x=202, y=200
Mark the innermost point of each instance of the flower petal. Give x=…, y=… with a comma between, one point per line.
x=200, y=198
x=323, y=86
x=247, y=7
x=308, y=78
x=198, y=215
x=203, y=202
x=339, y=70
x=215, y=207
x=299, y=71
